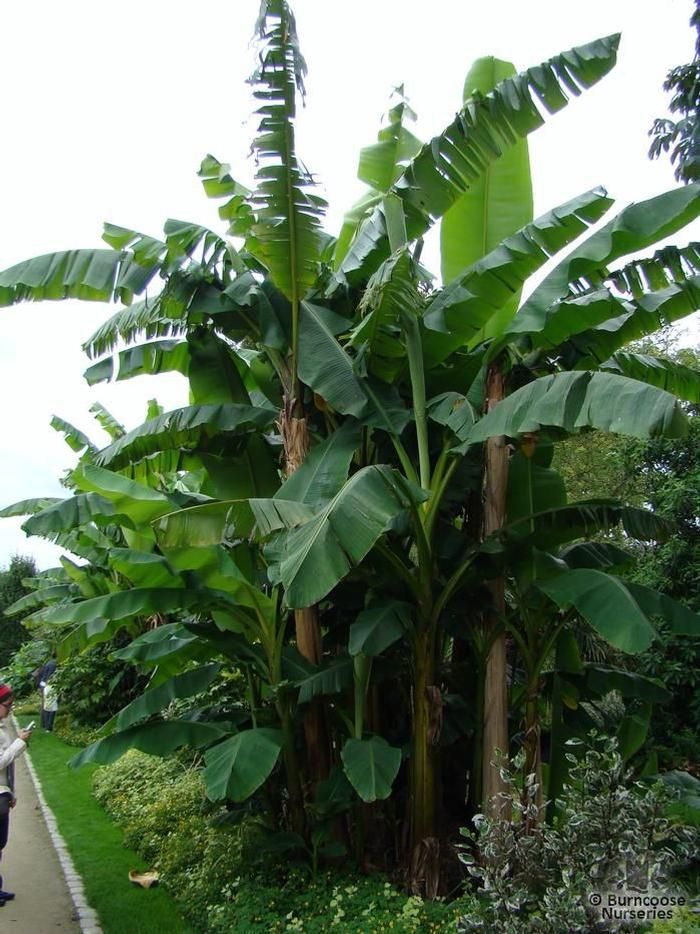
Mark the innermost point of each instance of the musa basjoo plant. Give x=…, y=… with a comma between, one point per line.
x=351, y=428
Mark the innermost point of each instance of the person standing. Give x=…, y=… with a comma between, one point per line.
x=50, y=705
x=45, y=674
x=10, y=749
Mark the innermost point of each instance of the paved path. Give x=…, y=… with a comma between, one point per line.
x=31, y=870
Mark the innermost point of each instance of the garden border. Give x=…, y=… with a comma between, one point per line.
x=86, y=916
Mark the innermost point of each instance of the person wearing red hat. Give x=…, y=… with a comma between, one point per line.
x=10, y=749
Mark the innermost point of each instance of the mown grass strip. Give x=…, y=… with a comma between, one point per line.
x=96, y=846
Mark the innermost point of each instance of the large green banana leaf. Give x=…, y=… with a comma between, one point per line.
x=44, y=596
x=90, y=275
x=325, y=468
x=124, y=604
x=682, y=381
x=286, y=234
x=635, y=228
x=483, y=129
x=239, y=765
x=323, y=364
x=143, y=569
x=378, y=627
x=497, y=204
x=477, y=295
x=599, y=555
x=158, y=739
x=165, y=356
x=140, y=503
x=620, y=612
x=73, y=514
x=157, y=699
x=629, y=320
x=28, y=507
x=571, y=401
x=310, y=559
x=371, y=766
x=557, y=526
x=184, y=427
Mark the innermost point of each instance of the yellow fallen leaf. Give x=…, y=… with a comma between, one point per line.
x=144, y=879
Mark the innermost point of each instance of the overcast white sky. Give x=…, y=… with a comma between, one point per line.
x=108, y=109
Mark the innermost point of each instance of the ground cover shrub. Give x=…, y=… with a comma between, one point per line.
x=332, y=901
x=161, y=807
x=205, y=862
x=610, y=833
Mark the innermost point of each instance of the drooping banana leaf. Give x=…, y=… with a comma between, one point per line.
x=165, y=315
x=165, y=356
x=620, y=611
x=184, y=427
x=90, y=275
x=497, y=204
x=486, y=126
x=570, y=401
x=480, y=293
x=630, y=320
x=599, y=555
x=124, y=604
x=75, y=439
x=141, y=503
x=73, y=513
x=634, y=228
x=553, y=527
x=310, y=559
x=44, y=596
x=28, y=507
x=156, y=699
x=681, y=381
x=157, y=739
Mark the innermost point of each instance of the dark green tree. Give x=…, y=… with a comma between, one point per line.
x=682, y=136
x=12, y=632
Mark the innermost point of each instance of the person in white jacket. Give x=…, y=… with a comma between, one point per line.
x=10, y=749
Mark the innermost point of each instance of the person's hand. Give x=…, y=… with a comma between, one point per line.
x=24, y=734
x=13, y=802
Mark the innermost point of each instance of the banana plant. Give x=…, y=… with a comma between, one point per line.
x=348, y=345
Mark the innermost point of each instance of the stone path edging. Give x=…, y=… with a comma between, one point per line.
x=87, y=918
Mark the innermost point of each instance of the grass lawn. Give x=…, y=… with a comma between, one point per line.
x=96, y=847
